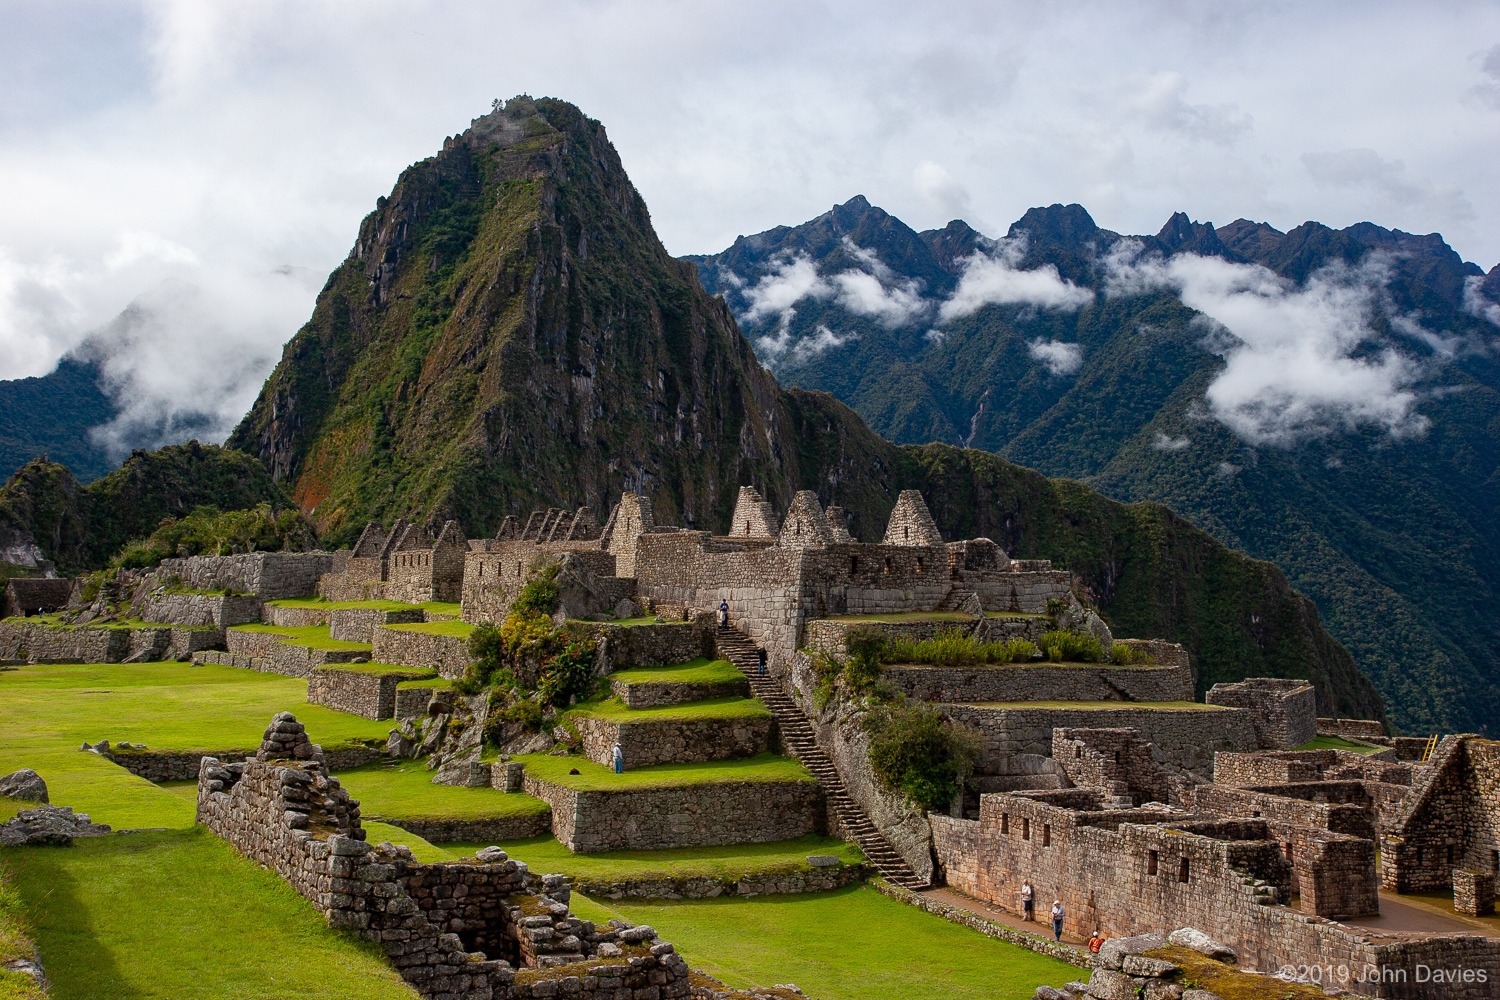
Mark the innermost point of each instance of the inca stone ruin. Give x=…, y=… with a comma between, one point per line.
x=1107, y=785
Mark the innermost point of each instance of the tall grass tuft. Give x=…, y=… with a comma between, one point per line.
x=951, y=647
x=1073, y=647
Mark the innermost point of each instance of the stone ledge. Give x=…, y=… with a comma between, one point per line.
x=709, y=887
x=494, y=829
x=674, y=741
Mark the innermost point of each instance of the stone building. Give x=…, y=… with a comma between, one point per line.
x=1450, y=823
x=421, y=569
x=1284, y=712
x=30, y=595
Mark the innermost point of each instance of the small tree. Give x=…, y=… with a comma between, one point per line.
x=916, y=752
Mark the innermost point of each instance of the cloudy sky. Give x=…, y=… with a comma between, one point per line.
x=181, y=176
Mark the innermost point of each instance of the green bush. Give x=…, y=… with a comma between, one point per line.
x=1072, y=647
x=951, y=647
x=487, y=666
x=1124, y=653
x=862, y=667
x=209, y=531
x=917, y=753
x=540, y=595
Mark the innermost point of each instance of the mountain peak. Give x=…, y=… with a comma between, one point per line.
x=1067, y=225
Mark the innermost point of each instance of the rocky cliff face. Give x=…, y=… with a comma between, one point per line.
x=509, y=332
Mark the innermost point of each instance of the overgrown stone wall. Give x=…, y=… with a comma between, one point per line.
x=267, y=575
x=494, y=574
x=447, y=654
x=1042, y=682
x=669, y=741
x=372, y=695
x=745, y=812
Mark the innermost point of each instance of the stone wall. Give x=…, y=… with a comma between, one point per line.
x=1354, y=818
x=38, y=642
x=269, y=653
x=624, y=646
x=418, y=574
x=359, y=624
x=495, y=572
x=412, y=702
x=1450, y=820
x=451, y=930
x=1114, y=760
x=663, y=694
x=674, y=741
x=184, y=765
x=493, y=829
x=709, y=887
x=1284, y=712
x=1353, y=729
x=1042, y=682
x=447, y=654
x=200, y=610
x=745, y=812
x=1250, y=770
x=293, y=617
x=1185, y=738
x=1123, y=872
x=267, y=575
x=28, y=595
x=359, y=692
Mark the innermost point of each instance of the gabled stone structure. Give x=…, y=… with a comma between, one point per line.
x=753, y=516
x=911, y=522
x=30, y=595
x=1451, y=820
x=421, y=569
x=806, y=525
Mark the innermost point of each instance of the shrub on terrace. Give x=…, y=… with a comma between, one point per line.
x=916, y=752
x=210, y=531
x=951, y=647
x=1073, y=647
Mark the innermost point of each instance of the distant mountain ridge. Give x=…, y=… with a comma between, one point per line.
x=1390, y=527
x=52, y=415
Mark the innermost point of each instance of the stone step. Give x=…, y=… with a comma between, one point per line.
x=799, y=738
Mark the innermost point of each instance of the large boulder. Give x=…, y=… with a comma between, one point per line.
x=48, y=825
x=25, y=785
x=1195, y=940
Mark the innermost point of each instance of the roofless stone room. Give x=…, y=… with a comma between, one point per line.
x=461, y=546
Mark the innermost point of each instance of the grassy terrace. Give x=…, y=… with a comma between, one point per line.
x=850, y=944
x=1028, y=665
x=1103, y=706
x=54, y=620
x=431, y=682
x=699, y=671
x=544, y=854
x=311, y=636
x=905, y=616
x=381, y=669
x=615, y=710
x=318, y=604
x=1339, y=743
x=149, y=916
x=597, y=778
x=404, y=790
x=456, y=629
x=46, y=711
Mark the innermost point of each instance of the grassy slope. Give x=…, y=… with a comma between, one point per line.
x=180, y=914
x=47, y=711
x=311, y=636
x=699, y=671
x=455, y=629
x=597, y=778
x=732, y=707
x=852, y=944
x=544, y=854
x=405, y=791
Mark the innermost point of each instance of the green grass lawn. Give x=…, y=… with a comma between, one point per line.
x=442, y=608
x=47, y=710
x=731, y=707
x=311, y=636
x=318, y=604
x=1339, y=743
x=1101, y=706
x=181, y=914
x=597, y=778
x=1031, y=665
x=404, y=790
x=457, y=629
x=431, y=682
x=699, y=671
x=905, y=616
x=545, y=854
x=417, y=673
x=850, y=944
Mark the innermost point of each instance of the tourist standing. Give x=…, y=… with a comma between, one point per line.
x=1096, y=942
x=619, y=756
x=1057, y=918
x=760, y=661
x=1028, y=896
x=723, y=614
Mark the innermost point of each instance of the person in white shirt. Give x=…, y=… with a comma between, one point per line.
x=1027, y=896
x=1057, y=918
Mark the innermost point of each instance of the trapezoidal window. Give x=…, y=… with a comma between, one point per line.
x=853, y=565
x=919, y=564
x=1005, y=825
x=1046, y=834
x=887, y=565
x=906, y=533
x=1182, y=869
x=1025, y=828
x=1151, y=862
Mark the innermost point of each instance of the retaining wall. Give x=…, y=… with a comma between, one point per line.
x=184, y=765
x=1042, y=682
x=746, y=812
x=359, y=624
x=494, y=829
x=372, y=695
x=674, y=741
x=664, y=694
x=267, y=575
x=447, y=654
x=217, y=611
x=625, y=646
x=708, y=887
x=36, y=642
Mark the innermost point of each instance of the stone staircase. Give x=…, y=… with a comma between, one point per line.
x=798, y=738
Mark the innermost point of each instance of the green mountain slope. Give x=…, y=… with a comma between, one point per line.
x=52, y=415
x=509, y=333
x=1396, y=540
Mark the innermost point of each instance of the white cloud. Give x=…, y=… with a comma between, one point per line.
x=875, y=292
x=793, y=279
x=1057, y=357
x=1299, y=362
x=1488, y=90
x=940, y=189
x=1160, y=101
x=1476, y=303
x=1165, y=442
x=1225, y=469
x=993, y=279
x=822, y=341
x=1364, y=170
